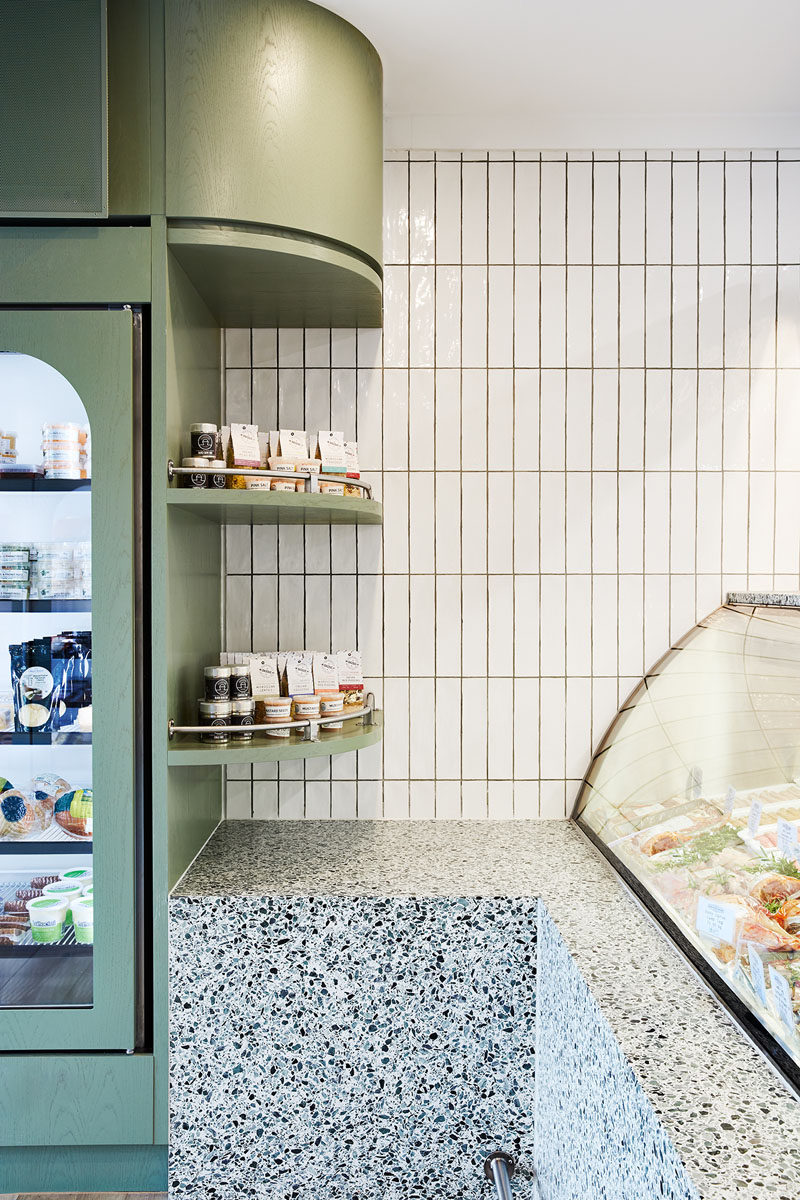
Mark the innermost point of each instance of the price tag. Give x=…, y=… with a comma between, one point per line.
x=754, y=820
x=787, y=838
x=730, y=799
x=716, y=920
x=757, y=973
x=782, y=995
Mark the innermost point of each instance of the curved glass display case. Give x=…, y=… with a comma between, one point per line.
x=694, y=796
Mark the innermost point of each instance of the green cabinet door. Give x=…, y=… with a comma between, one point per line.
x=68, y=382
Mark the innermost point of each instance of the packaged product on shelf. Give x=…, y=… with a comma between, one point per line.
x=299, y=673
x=330, y=488
x=73, y=811
x=326, y=675
x=203, y=440
x=305, y=708
x=311, y=466
x=47, y=916
x=293, y=444
x=61, y=450
x=214, y=713
x=243, y=715
x=283, y=485
x=8, y=445
x=351, y=678
x=199, y=477
x=243, y=451
x=264, y=674
x=217, y=683
x=216, y=480
x=241, y=687
x=351, y=460
x=22, y=815
x=330, y=451
x=272, y=709
x=35, y=704
x=257, y=484
x=330, y=705
x=223, y=442
x=83, y=919
x=286, y=466
x=263, y=448
x=71, y=659
x=274, y=442
x=66, y=890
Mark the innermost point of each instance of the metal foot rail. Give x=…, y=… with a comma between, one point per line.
x=498, y=1169
x=310, y=725
x=311, y=479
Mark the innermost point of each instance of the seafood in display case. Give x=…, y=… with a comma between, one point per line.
x=694, y=795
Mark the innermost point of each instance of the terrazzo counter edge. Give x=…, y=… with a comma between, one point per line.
x=732, y=1123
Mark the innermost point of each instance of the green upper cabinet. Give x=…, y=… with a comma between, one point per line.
x=274, y=117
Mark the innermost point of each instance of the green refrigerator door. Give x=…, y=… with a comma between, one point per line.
x=68, y=383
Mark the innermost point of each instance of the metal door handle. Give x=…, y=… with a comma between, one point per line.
x=498, y=1169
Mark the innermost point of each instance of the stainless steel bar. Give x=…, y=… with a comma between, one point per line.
x=263, y=473
x=365, y=711
x=498, y=1169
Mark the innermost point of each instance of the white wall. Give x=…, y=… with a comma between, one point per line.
x=584, y=421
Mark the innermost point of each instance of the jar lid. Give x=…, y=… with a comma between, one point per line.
x=216, y=463
x=195, y=462
x=214, y=708
x=240, y=669
x=217, y=672
x=304, y=699
x=200, y=428
x=244, y=705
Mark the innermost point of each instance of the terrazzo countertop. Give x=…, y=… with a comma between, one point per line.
x=733, y=1123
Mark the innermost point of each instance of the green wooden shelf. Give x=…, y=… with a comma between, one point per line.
x=186, y=751
x=251, y=276
x=233, y=507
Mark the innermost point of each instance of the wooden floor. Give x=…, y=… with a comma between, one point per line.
x=83, y=1196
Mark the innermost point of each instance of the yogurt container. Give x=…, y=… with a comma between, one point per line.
x=66, y=892
x=81, y=875
x=47, y=916
x=83, y=919
x=88, y=889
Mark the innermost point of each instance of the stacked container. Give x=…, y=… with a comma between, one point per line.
x=65, y=450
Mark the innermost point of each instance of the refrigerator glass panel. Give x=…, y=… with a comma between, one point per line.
x=46, y=827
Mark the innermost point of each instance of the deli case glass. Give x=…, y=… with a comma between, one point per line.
x=694, y=796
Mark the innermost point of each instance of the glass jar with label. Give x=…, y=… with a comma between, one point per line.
x=199, y=477
x=203, y=440
x=214, y=714
x=243, y=714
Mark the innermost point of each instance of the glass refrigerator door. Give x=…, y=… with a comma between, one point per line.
x=67, y=760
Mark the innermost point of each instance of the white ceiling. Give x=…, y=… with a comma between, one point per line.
x=584, y=74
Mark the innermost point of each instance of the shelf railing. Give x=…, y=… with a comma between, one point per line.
x=311, y=479
x=310, y=726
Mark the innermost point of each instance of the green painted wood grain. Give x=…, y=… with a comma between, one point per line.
x=234, y=507
x=274, y=115
x=90, y=1168
x=129, y=87
x=50, y=264
x=93, y=350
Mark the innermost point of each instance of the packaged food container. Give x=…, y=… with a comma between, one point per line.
x=259, y=483
x=286, y=466
x=243, y=714
x=270, y=709
x=214, y=713
x=311, y=466
x=88, y=889
x=355, y=493
x=217, y=681
x=239, y=481
x=64, y=891
x=305, y=708
x=282, y=485
x=241, y=687
x=331, y=489
x=330, y=705
x=199, y=477
x=79, y=875
x=215, y=480
x=203, y=439
x=47, y=916
x=83, y=919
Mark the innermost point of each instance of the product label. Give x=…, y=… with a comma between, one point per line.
x=198, y=479
x=349, y=666
x=330, y=448
x=787, y=839
x=730, y=800
x=754, y=820
x=757, y=973
x=351, y=459
x=244, y=450
x=326, y=675
x=36, y=683
x=218, y=481
x=716, y=920
x=241, y=686
x=782, y=997
x=299, y=674
x=264, y=674
x=294, y=443
x=204, y=444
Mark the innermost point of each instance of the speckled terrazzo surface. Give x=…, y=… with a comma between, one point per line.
x=732, y=1123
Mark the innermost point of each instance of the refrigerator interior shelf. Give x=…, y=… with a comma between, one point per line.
x=45, y=606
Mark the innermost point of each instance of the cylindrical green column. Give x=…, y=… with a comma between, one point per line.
x=274, y=117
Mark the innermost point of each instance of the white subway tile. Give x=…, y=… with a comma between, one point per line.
x=711, y=215
x=237, y=347
x=345, y=351
x=422, y=527
x=448, y=421
x=683, y=521
x=789, y=317
x=787, y=420
x=579, y=624
x=656, y=618
x=553, y=333
x=735, y=412
x=238, y=396
x=474, y=626
x=396, y=714
x=526, y=627
x=265, y=799
x=501, y=628
x=684, y=420
x=787, y=506
x=789, y=212
x=369, y=411
x=500, y=544
x=578, y=539
x=684, y=212
x=631, y=316
x=396, y=802
x=552, y=718
x=238, y=622
x=500, y=421
x=501, y=316
x=631, y=521
x=448, y=730
x=421, y=409
x=370, y=621
x=265, y=347
x=552, y=433
x=526, y=729
x=526, y=316
x=265, y=397
x=501, y=212
x=475, y=737
x=605, y=421
x=526, y=522
x=579, y=212
x=265, y=612
x=421, y=316
x=501, y=799
x=422, y=800
x=369, y=799
x=473, y=316
x=632, y=223
x=317, y=615
x=734, y=523
x=448, y=316
x=657, y=315
x=396, y=529
x=526, y=213
x=631, y=624
x=683, y=614
x=448, y=625
x=395, y=420
x=238, y=800
x=421, y=214
x=631, y=420
x=448, y=800
x=396, y=304
x=474, y=182
x=473, y=420
x=764, y=212
x=473, y=521
x=604, y=521
x=552, y=800
x=763, y=302
x=553, y=624
x=526, y=420
x=657, y=420
x=552, y=521
x=579, y=316
x=684, y=316
x=658, y=202
x=526, y=799
x=709, y=421
x=605, y=317
x=344, y=800
x=395, y=212
x=656, y=522
x=396, y=648
x=344, y=631
x=737, y=212
x=761, y=530
x=448, y=212
x=605, y=231
x=710, y=316
x=422, y=590
x=605, y=631
x=553, y=212
x=762, y=420
x=709, y=521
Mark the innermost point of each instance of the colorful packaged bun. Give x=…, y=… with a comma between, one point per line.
x=73, y=812
x=53, y=785
x=22, y=815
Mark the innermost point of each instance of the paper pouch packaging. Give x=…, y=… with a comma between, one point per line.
x=263, y=449
x=264, y=674
x=36, y=707
x=293, y=444
x=351, y=460
x=274, y=443
x=351, y=678
x=330, y=450
x=243, y=449
x=326, y=673
x=299, y=673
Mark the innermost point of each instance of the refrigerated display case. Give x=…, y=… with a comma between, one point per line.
x=69, y=398
x=694, y=796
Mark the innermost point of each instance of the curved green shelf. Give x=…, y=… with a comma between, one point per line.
x=266, y=278
x=233, y=507
x=191, y=752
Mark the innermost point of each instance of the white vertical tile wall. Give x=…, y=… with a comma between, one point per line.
x=583, y=419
